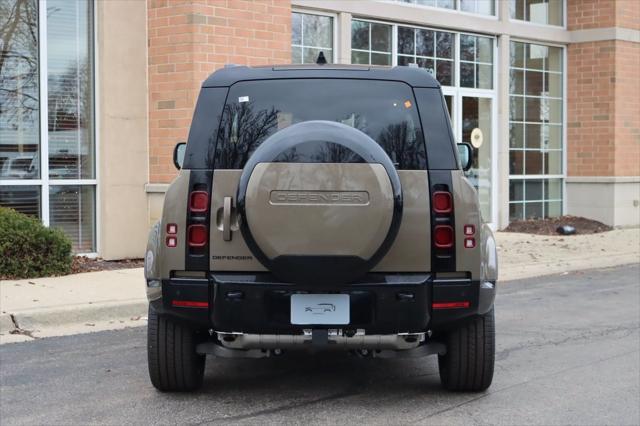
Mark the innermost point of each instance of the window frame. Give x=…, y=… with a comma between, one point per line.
x=563, y=144
x=524, y=22
x=44, y=182
x=456, y=54
x=456, y=9
x=370, y=52
x=334, y=32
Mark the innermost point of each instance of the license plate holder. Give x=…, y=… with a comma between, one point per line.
x=320, y=309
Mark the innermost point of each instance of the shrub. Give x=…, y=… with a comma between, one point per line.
x=28, y=249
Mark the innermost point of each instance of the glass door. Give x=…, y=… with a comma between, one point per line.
x=477, y=130
x=472, y=120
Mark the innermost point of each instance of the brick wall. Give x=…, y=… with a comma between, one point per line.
x=590, y=109
x=628, y=14
x=627, y=113
x=603, y=94
x=188, y=40
x=586, y=14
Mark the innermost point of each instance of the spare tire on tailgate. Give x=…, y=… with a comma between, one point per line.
x=320, y=203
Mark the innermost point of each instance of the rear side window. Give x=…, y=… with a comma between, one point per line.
x=384, y=110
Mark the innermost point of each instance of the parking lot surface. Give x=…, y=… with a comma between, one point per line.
x=568, y=352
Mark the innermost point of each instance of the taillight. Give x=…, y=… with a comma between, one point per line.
x=469, y=232
x=443, y=253
x=172, y=228
x=441, y=202
x=197, y=235
x=450, y=305
x=199, y=201
x=443, y=236
x=189, y=304
x=172, y=241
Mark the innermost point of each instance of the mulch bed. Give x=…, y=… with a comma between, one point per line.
x=85, y=264
x=550, y=225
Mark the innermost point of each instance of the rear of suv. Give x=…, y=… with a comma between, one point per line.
x=321, y=208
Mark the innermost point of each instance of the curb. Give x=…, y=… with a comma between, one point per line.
x=42, y=319
x=6, y=323
x=51, y=321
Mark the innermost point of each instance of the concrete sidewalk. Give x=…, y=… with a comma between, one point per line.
x=115, y=299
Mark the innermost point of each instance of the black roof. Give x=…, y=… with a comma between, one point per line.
x=230, y=74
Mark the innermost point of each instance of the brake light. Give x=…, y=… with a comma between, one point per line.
x=197, y=235
x=199, y=201
x=443, y=236
x=450, y=305
x=189, y=304
x=441, y=202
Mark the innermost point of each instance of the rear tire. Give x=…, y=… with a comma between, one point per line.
x=173, y=362
x=468, y=363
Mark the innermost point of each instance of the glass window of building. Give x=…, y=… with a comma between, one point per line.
x=547, y=12
x=482, y=7
x=19, y=106
x=310, y=35
x=535, y=131
x=432, y=50
x=446, y=4
x=370, y=43
x=49, y=172
x=476, y=61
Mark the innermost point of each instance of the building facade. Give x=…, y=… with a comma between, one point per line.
x=95, y=95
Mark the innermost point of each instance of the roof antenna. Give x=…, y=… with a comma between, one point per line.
x=321, y=59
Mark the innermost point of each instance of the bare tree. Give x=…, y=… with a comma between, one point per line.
x=241, y=131
x=18, y=60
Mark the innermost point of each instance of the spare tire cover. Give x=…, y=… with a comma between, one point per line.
x=319, y=203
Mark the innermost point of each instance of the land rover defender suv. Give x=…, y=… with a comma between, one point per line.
x=321, y=208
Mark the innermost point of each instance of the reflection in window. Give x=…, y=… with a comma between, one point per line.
x=476, y=61
x=19, y=97
x=535, y=131
x=383, y=110
x=432, y=50
x=482, y=7
x=370, y=43
x=548, y=12
x=70, y=95
x=311, y=34
x=446, y=4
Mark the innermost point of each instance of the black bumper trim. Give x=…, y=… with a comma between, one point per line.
x=384, y=304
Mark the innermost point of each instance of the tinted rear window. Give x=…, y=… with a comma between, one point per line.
x=384, y=110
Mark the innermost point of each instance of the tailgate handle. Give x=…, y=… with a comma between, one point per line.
x=226, y=219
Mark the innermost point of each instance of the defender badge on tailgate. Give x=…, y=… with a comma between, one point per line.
x=319, y=197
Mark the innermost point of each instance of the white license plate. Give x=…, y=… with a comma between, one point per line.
x=319, y=309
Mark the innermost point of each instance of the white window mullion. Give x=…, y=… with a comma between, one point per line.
x=394, y=45
x=456, y=61
x=44, y=110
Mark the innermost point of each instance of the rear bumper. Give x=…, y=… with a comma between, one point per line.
x=380, y=304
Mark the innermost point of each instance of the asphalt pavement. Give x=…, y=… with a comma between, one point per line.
x=568, y=352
